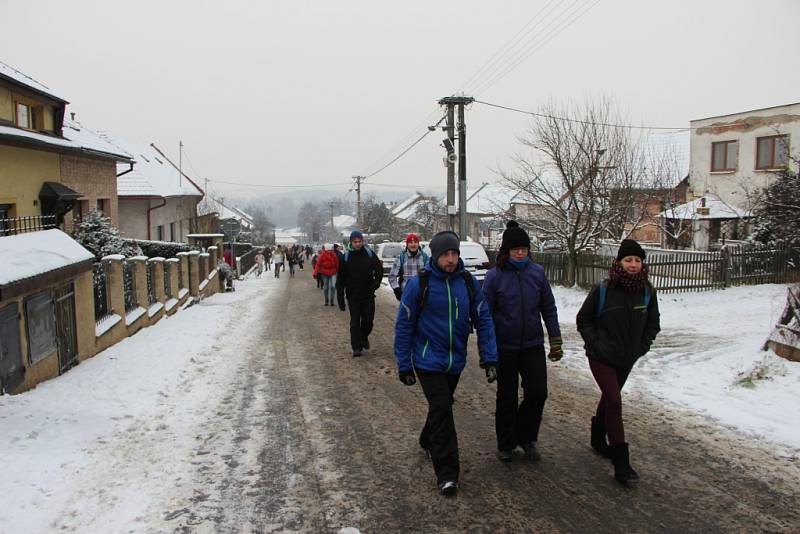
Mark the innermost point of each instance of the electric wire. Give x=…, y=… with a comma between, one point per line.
x=535, y=45
x=402, y=141
x=280, y=186
x=406, y=151
x=578, y=121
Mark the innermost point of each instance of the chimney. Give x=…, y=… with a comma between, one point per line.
x=72, y=115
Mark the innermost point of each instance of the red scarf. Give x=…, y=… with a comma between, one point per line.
x=619, y=277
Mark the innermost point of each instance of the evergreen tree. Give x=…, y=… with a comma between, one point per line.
x=777, y=214
x=98, y=236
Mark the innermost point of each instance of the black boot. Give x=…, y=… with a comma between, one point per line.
x=598, y=439
x=620, y=456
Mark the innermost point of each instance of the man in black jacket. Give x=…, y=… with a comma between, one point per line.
x=360, y=274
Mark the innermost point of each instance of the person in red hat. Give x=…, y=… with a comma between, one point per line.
x=407, y=265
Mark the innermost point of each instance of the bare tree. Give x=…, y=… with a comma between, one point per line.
x=579, y=176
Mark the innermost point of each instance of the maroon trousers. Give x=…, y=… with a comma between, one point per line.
x=609, y=409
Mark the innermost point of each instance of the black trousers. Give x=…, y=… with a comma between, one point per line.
x=362, y=315
x=439, y=433
x=517, y=423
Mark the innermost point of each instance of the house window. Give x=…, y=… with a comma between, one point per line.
x=723, y=156
x=23, y=116
x=100, y=206
x=172, y=232
x=772, y=152
x=40, y=325
x=160, y=232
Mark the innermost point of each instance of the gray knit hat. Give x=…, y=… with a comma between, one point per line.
x=442, y=242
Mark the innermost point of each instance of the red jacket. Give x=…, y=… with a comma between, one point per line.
x=327, y=264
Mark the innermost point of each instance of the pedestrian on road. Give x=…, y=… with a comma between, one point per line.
x=291, y=260
x=314, y=260
x=406, y=265
x=618, y=322
x=260, y=260
x=360, y=275
x=430, y=342
x=279, y=256
x=268, y=257
x=520, y=297
x=325, y=270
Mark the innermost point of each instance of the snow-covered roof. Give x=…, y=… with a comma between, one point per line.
x=36, y=137
x=489, y=199
x=407, y=203
x=717, y=209
x=90, y=141
x=342, y=221
x=152, y=175
x=9, y=72
x=28, y=255
x=213, y=205
x=670, y=149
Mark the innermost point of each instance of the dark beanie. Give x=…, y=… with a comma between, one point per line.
x=629, y=247
x=356, y=234
x=514, y=237
x=442, y=242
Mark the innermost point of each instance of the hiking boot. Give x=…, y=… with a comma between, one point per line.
x=505, y=456
x=620, y=457
x=357, y=353
x=530, y=451
x=598, y=439
x=448, y=488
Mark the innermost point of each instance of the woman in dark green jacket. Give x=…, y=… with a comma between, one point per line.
x=618, y=322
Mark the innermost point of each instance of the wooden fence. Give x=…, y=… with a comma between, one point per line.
x=673, y=271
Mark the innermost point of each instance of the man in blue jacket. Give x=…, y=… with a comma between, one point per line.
x=431, y=333
x=520, y=297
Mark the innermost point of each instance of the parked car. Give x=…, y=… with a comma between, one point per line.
x=387, y=253
x=475, y=259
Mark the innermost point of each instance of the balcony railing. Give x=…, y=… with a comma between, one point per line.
x=22, y=225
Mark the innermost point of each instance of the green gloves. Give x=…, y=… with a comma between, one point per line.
x=556, y=352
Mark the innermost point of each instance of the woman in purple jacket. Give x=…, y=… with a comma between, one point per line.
x=519, y=297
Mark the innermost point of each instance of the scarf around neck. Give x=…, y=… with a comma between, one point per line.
x=619, y=277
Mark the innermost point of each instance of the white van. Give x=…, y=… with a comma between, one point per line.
x=387, y=253
x=474, y=257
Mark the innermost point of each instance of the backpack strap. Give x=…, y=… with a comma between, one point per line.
x=646, y=297
x=601, y=298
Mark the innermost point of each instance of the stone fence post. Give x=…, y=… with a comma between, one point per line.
x=156, y=265
x=139, y=264
x=115, y=285
x=194, y=272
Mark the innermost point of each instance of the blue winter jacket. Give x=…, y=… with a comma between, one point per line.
x=519, y=299
x=435, y=337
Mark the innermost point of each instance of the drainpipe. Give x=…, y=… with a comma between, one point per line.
x=151, y=208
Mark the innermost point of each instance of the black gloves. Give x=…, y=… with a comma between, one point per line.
x=398, y=293
x=408, y=378
x=491, y=372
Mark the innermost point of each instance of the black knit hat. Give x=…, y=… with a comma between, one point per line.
x=514, y=237
x=629, y=247
x=442, y=242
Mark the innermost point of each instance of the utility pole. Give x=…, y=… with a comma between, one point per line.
x=333, y=228
x=451, y=102
x=358, y=180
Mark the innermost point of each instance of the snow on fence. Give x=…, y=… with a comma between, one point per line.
x=679, y=271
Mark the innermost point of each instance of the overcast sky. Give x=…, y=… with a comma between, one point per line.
x=313, y=92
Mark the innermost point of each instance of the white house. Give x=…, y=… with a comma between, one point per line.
x=733, y=156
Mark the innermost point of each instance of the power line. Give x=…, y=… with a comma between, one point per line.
x=278, y=186
x=537, y=43
x=404, y=152
x=578, y=121
x=403, y=140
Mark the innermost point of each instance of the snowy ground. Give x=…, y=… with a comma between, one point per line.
x=101, y=447
x=708, y=359
x=78, y=450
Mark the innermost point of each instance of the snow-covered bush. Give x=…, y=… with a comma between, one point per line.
x=98, y=236
x=160, y=249
x=767, y=368
x=777, y=213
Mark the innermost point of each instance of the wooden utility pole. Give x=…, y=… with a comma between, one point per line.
x=451, y=102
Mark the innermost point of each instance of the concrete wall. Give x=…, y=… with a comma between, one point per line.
x=734, y=187
x=22, y=173
x=133, y=217
x=95, y=179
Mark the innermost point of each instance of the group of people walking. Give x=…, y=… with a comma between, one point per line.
x=441, y=305
x=515, y=316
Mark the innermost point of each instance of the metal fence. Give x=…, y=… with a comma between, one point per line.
x=167, y=282
x=22, y=225
x=129, y=282
x=102, y=308
x=180, y=275
x=246, y=262
x=673, y=271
